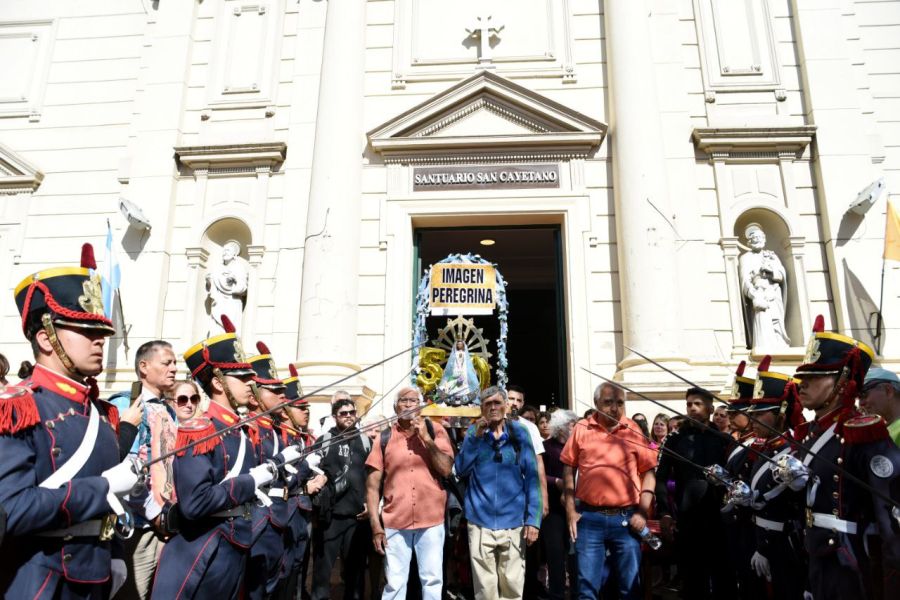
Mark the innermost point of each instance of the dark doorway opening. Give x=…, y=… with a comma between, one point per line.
x=530, y=260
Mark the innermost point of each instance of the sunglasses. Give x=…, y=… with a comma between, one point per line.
x=347, y=413
x=183, y=400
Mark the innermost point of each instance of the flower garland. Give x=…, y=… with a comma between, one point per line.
x=420, y=335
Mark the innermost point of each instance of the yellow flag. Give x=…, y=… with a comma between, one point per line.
x=892, y=233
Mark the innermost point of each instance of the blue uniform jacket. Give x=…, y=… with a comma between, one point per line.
x=502, y=494
x=28, y=455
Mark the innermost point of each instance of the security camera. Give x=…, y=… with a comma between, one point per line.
x=133, y=213
x=868, y=197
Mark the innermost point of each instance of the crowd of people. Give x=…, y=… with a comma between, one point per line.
x=218, y=486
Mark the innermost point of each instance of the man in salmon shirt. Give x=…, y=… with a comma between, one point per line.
x=615, y=491
x=409, y=458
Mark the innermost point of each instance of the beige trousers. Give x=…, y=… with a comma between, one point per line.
x=498, y=562
x=141, y=556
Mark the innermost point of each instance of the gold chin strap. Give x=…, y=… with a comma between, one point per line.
x=50, y=329
x=240, y=410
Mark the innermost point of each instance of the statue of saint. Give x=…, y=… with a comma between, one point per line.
x=227, y=288
x=763, y=281
x=459, y=384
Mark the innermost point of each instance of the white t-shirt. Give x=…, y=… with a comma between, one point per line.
x=536, y=440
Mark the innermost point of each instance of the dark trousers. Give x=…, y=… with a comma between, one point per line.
x=556, y=543
x=348, y=538
x=788, y=565
x=740, y=532
x=704, y=566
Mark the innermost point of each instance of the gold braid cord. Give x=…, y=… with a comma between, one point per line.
x=217, y=373
x=50, y=329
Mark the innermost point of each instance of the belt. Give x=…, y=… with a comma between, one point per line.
x=826, y=521
x=238, y=511
x=90, y=528
x=768, y=525
x=607, y=510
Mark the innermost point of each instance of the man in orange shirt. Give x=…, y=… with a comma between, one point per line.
x=409, y=460
x=615, y=490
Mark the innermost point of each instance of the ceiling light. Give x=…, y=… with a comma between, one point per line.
x=487, y=242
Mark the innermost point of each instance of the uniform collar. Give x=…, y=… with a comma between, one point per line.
x=223, y=415
x=59, y=384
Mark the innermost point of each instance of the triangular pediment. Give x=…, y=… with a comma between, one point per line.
x=17, y=175
x=487, y=114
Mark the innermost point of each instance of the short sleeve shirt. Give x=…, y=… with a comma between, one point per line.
x=610, y=463
x=413, y=496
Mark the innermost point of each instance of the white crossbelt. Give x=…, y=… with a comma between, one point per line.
x=768, y=525
x=826, y=521
x=71, y=467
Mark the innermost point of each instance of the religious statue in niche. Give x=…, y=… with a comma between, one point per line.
x=764, y=286
x=226, y=286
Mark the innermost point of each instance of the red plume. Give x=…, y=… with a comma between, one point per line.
x=292, y=369
x=87, y=257
x=227, y=325
x=819, y=325
x=764, y=364
x=740, y=368
x=263, y=349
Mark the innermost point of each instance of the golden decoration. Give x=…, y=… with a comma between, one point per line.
x=239, y=351
x=92, y=299
x=812, y=350
x=432, y=360
x=735, y=390
x=758, y=389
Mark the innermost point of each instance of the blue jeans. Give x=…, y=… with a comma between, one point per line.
x=598, y=534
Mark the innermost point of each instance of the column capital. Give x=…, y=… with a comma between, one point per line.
x=196, y=256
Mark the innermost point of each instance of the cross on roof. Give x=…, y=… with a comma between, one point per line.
x=484, y=28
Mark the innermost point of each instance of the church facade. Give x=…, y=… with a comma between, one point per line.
x=691, y=181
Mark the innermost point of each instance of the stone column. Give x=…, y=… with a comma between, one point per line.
x=644, y=226
x=328, y=298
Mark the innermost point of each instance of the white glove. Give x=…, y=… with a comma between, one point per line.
x=121, y=477
x=760, y=564
x=289, y=454
x=798, y=483
x=261, y=474
x=119, y=573
x=313, y=461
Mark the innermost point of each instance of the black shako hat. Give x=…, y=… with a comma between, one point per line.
x=223, y=352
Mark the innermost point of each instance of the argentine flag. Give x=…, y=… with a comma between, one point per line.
x=111, y=274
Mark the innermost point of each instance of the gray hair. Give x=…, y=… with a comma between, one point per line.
x=145, y=351
x=340, y=395
x=492, y=390
x=612, y=386
x=560, y=421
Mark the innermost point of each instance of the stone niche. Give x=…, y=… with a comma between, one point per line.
x=753, y=169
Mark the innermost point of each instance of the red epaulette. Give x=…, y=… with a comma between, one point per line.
x=196, y=429
x=253, y=433
x=112, y=414
x=18, y=410
x=865, y=429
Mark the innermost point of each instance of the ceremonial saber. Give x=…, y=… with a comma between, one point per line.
x=683, y=415
x=278, y=406
x=790, y=440
x=767, y=427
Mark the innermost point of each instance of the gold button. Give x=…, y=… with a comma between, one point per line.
x=830, y=542
x=834, y=494
x=840, y=461
x=837, y=477
x=834, y=512
x=67, y=557
x=55, y=451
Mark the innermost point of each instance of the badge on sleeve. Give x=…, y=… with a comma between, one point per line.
x=881, y=466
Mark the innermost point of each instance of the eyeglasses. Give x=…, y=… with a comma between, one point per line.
x=183, y=400
x=346, y=413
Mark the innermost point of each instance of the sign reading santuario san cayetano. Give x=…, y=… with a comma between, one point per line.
x=476, y=177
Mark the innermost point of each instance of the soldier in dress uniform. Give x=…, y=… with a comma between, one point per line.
x=60, y=466
x=216, y=480
x=739, y=528
x=779, y=556
x=268, y=552
x=838, y=509
x=300, y=511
